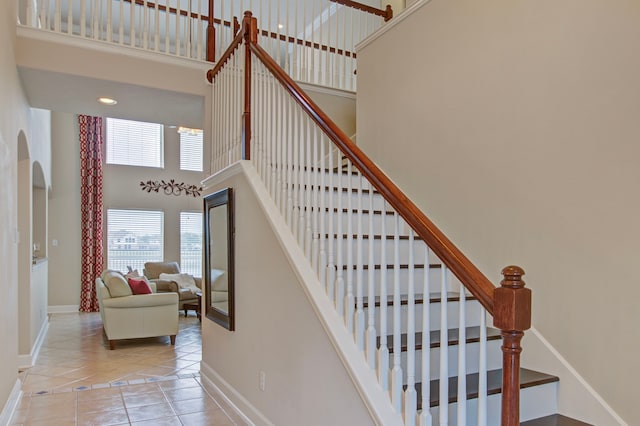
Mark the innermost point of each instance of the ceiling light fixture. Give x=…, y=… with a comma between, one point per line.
x=107, y=101
x=280, y=26
x=189, y=131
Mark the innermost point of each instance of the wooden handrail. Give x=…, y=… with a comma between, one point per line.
x=386, y=13
x=212, y=73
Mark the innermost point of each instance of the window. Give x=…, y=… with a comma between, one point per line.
x=190, y=149
x=133, y=238
x=134, y=143
x=191, y=243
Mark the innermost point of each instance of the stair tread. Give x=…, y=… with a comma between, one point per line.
x=391, y=266
x=473, y=336
x=336, y=188
x=555, y=420
x=364, y=211
x=528, y=378
x=419, y=298
x=375, y=237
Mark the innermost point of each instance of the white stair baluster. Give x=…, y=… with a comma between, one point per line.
x=295, y=167
x=396, y=373
x=410, y=395
x=290, y=170
x=338, y=241
x=167, y=32
x=359, y=270
x=425, y=414
x=444, y=343
x=482, y=371
x=83, y=17
x=371, y=327
x=325, y=192
x=303, y=207
x=331, y=261
x=309, y=193
x=462, y=358
x=383, y=351
x=349, y=267
x=315, y=249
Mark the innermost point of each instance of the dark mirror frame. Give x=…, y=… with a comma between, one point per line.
x=219, y=198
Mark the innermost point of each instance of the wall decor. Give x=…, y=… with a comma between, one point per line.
x=171, y=187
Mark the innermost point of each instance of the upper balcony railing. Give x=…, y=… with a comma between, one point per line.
x=313, y=40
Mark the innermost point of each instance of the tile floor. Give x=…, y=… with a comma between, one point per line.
x=77, y=380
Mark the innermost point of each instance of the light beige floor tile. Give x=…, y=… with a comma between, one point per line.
x=148, y=398
x=150, y=412
x=104, y=418
x=139, y=389
x=170, y=421
x=185, y=393
x=99, y=405
x=206, y=418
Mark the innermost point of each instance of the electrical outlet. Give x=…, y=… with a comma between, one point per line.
x=262, y=382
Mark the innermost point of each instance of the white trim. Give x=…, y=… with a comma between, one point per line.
x=396, y=20
x=214, y=382
x=63, y=309
x=310, y=87
x=109, y=47
x=28, y=361
x=12, y=404
x=372, y=394
x=575, y=375
x=220, y=176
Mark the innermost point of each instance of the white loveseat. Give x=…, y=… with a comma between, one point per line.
x=129, y=316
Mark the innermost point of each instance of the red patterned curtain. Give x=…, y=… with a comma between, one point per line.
x=90, y=129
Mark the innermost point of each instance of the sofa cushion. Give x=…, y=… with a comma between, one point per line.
x=116, y=283
x=139, y=285
x=152, y=270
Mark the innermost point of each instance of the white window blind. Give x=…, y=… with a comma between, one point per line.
x=133, y=238
x=191, y=150
x=134, y=143
x=191, y=243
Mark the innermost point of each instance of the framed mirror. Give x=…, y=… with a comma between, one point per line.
x=218, y=257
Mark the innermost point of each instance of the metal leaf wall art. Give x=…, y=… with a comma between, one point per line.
x=171, y=187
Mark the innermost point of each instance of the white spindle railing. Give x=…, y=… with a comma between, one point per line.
x=175, y=27
x=372, y=272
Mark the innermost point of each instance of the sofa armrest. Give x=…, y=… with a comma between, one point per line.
x=141, y=300
x=164, y=286
x=198, y=282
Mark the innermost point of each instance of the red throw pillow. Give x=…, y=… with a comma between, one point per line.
x=139, y=285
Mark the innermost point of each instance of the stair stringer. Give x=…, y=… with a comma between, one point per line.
x=374, y=397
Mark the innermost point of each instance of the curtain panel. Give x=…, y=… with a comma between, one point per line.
x=90, y=132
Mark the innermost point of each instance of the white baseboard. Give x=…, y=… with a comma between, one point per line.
x=28, y=361
x=9, y=409
x=576, y=398
x=223, y=390
x=63, y=309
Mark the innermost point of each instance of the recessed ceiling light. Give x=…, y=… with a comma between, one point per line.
x=171, y=126
x=280, y=26
x=107, y=101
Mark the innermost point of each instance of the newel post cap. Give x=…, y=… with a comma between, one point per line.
x=512, y=301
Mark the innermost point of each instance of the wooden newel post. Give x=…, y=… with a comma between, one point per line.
x=250, y=27
x=211, y=35
x=389, y=13
x=512, y=315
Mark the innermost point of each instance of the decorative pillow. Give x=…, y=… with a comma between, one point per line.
x=139, y=285
x=117, y=284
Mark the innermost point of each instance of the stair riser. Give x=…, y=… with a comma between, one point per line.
x=338, y=197
x=333, y=223
x=494, y=358
x=472, y=313
x=389, y=250
x=537, y=401
x=403, y=281
x=336, y=179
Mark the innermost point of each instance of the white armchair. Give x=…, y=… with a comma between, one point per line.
x=129, y=316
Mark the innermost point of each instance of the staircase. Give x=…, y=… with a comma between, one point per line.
x=412, y=305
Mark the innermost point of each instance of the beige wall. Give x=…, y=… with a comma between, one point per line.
x=64, y=213
x=278, y=333
x=515, y=128
x=14, y=117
